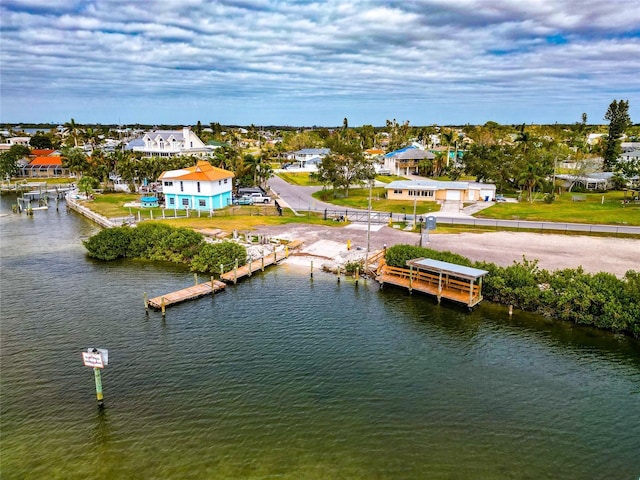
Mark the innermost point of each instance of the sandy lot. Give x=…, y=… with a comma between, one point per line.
x=553, y=252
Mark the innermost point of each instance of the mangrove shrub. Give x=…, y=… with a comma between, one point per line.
x=212, y=255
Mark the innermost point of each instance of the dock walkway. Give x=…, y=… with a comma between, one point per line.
x=259, y=264
x=185, y=294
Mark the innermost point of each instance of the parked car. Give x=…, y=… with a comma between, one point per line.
x=500, y=198
x=243, y=200
x=258, y=197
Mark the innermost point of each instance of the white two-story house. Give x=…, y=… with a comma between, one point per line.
x=170, y=143
x=202, y=187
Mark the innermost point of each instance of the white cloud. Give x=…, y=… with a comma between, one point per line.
x=350, y=54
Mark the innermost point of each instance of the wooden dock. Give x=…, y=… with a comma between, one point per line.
x=213, y=286
x=185, y=294
x=441, y=286
x=252, y=266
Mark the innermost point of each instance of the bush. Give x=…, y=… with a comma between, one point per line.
x=212, y=255
x=109, y=244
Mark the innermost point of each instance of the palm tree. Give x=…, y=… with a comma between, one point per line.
x=447, y=137
x=72, y=128
x=531, y=177
x=75, y=160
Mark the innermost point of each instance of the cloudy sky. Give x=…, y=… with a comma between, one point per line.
x=306, y=62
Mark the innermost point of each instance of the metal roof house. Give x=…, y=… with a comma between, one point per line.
x=169, y=143
x=439, y=191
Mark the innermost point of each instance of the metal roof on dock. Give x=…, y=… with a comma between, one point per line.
x=446, y=267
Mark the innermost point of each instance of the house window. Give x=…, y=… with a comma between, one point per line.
x=198, y=185
x=181, y=187
x=172, y=201
x=225, y=180
x=185, y=202
x=398, y=192
x=168, y=184
x=202, y=203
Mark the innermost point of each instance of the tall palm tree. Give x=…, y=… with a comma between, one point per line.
x=73, y=129
x=531, y=177
x=447, y=137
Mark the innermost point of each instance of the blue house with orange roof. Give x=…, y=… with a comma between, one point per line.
x=201, y=187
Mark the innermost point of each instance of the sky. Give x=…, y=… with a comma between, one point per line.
x=314, y=63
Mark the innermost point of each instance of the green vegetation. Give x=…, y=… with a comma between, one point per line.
x=304, y=179
x=157, y=241
x=601, y=300
x=563, y=209
x=212, y=255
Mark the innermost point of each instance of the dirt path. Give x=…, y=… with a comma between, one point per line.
x=553, y=252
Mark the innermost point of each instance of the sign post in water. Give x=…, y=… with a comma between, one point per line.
x=96, y=358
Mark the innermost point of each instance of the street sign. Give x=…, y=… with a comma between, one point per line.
x=93, y=360
x=431, y=223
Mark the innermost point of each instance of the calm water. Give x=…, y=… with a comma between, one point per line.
x=284, y=377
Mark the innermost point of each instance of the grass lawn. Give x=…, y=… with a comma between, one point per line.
x=232, y=218
x=359, y=198
x=304, y=179
x=112, y=204
x=564, y=209
x=388, y=178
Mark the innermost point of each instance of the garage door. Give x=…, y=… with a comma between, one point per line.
x=453, y=195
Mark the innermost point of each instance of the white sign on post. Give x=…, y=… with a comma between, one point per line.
x=93, y=360
x=92, y=353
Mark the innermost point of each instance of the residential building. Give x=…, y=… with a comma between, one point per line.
x=201, y=187
x=170, y=143
x=437, y=191
x=406, y=161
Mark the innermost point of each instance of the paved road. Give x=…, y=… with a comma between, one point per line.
x=299, y=198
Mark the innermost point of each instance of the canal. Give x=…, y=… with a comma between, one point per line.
x=283, y=376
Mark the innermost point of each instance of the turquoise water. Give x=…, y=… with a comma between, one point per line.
x=282, y=376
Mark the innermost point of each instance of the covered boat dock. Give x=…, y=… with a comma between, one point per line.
x=434, y=277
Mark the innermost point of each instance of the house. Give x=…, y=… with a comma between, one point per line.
x=589, y=181
x=169, y=143
x=15, y=141
x=406, y=160
x=630, y=156
x=311, y=156
x=45, y=166
x=202, y=187
x=437, y=191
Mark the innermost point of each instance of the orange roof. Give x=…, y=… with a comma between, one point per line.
x=41, y=153
x=203, y=170
x=374, y=151
x=53, y=160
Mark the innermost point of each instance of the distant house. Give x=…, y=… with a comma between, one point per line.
x=310, y=156
x=437, y=191
x=630, y=156
x=15, y=141
x=589, y=181
x=406, y=160
x=202, y=187
x=169, y=143
x=45, y=166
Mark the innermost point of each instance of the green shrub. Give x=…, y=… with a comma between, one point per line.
x=109, y=244
x=212, y=255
